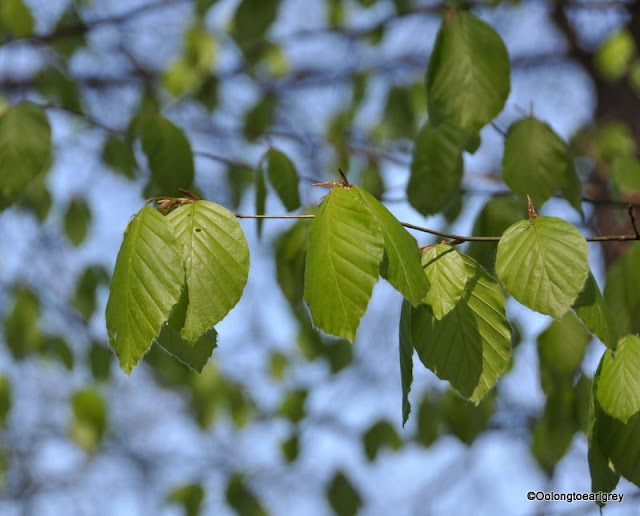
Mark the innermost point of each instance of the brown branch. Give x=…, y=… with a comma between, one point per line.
x=457, y=239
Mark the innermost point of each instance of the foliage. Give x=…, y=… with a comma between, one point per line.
x=184, y=262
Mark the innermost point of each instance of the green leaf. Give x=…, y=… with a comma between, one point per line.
x=252, y=20
x=37, y=199
x=536, y=161
x=25, y=149
x=343, y=497
x=77, y=220
x=614, y=139
x=614, y=55
x=619, y=385
x=89, y=419
x=190, y=496
x=379, y=435
x=399, y=113
x=5, y=399
x=84, y=298
x=100, y=358
x=57, y=348
x=290, y=447
x=436, y=167
x=168, y=152
x=57, y=87
x=17, y=18
x=495, y=217
x=603, y=476
x=625, y=172
x=241, y=499
x=118, y=154
x=543, y=264
x=290, y=250
x=261, y=199
x=447, y=273
x=292, y=406
x=468, y=76
x=260, y=117
x=402, y=257
x=344, y=252
x=145, y=286
x=622, y=291
x=194, y=355
x=216, y=263
x=284, y=178
x=429, y=418
x=593, y=311
x=406, y=359
x=470, y=346
x=554, y=431
x=562, y=345
x=21, y=332
x=465, y=420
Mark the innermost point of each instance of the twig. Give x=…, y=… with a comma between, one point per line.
x=457, y=239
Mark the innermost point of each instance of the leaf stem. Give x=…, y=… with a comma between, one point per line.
x=456, y=238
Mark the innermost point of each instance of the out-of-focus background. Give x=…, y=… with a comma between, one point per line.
x=283, y=419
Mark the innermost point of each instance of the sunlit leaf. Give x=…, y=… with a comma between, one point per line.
x=625, y=172
x=401, y=265
x=344, y=252
x=543, y=263
x=216, y=263
x=468, y=76
x=614, y=55
x=145, y=286
x=471, y=345
x=622, y=291
x=447, y=272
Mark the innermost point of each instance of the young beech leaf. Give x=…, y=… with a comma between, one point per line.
x=536, y=162
x=193, y=356
x=619, y=386
x=25, y=149
x=471, y=345
x=284, y=178
x=543, y=264
x=436, y=167
x=406, y=358
x=169, y=153
x=216, y=263
x=592, y=310
x=402, y=257
x=447, y=273
x=145, y=286
x=468, y=76
x=344, y=251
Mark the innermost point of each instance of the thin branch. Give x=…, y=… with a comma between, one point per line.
x=457, y=239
